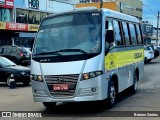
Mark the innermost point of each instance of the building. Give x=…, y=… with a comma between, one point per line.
x=20, y=19
x=154, y=36
x=46, y=5
x=147, y=29
x=130, y=7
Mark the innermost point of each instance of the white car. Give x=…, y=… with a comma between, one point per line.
x=148, y=55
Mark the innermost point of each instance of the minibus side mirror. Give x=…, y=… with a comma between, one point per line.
x=109, y=37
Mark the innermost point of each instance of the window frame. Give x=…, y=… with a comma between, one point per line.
x=120, y=32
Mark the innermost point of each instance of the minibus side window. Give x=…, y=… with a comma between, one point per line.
x=133, y=34
x=126, y=33
x=109, y=26
x=138, y=34
x=118, y=37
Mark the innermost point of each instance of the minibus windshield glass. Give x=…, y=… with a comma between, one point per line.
x=69, y=34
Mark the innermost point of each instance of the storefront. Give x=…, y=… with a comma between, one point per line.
x=17, y=34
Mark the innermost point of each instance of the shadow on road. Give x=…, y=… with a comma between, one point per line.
x=84, y=109
x=17, y=85
x=152, y=63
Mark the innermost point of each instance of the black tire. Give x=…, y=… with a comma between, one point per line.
x=49, y=105
x=134, y=87
x=145, y=60
x=111, y=94
x=8, y=81
x=148, y=61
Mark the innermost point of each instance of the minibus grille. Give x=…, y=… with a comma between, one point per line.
x=70, y=80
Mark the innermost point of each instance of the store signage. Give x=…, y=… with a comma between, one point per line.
x=17, y=26
x=7, y=3
x=34, y=4
x=2, y=25
x=33, y=27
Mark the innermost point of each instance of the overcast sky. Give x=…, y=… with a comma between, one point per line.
x=150, y=11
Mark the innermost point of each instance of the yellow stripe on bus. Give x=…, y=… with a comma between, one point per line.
x=123, y=58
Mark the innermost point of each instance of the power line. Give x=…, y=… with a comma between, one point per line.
x=150, y=10
x=119, y=7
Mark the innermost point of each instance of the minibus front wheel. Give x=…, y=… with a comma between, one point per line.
x=111, y=94
x=49, y=105
x=134, y=87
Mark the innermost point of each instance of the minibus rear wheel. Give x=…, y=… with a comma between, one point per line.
x=134, y=87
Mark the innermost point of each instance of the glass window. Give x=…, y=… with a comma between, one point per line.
x=75, y=31
x=117, y=33
x=126, y=33
x=1, y=50
x=133, y=34
x=139, y=34
x=109, y=25
x=7, y=50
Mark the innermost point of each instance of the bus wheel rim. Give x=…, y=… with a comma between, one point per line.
x=112, y=94
x=136, y=83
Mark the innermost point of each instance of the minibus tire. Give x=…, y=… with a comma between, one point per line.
x=49, y=105
x=111, y=94
x=134, y=87
x=145, y=60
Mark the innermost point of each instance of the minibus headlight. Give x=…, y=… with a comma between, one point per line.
x=31, y=77
x=36, y=78
x=90, y=75
x=39, y=78
x=86, y=76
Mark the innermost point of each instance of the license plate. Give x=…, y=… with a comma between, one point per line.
x=60, y=87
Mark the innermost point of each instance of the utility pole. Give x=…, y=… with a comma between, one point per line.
x=120, y=4
x=157, y=27
x=101, y=3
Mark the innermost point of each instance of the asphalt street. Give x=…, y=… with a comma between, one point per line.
x=146, y=99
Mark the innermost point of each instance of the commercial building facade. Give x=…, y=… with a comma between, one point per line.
x=20, y=19
x=147, y=30
x=130, y=7
x=154, y=36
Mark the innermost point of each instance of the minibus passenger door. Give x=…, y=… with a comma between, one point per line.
x=109, y=40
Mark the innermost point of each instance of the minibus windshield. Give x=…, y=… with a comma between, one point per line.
x=69, y=34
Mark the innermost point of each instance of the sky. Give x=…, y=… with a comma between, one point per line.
x=150, y=11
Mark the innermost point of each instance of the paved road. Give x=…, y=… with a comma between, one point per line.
x=146, y=99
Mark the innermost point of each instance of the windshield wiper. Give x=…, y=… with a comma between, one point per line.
x=73, y=50
x=49, y=52
x=62, y=50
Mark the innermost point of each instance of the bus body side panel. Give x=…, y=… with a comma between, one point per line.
x=123, y=61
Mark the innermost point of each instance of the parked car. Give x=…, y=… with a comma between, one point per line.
x=158, y=47
x=18, y=55
x=148, y=54
x=8, y=69
x=155, y=49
